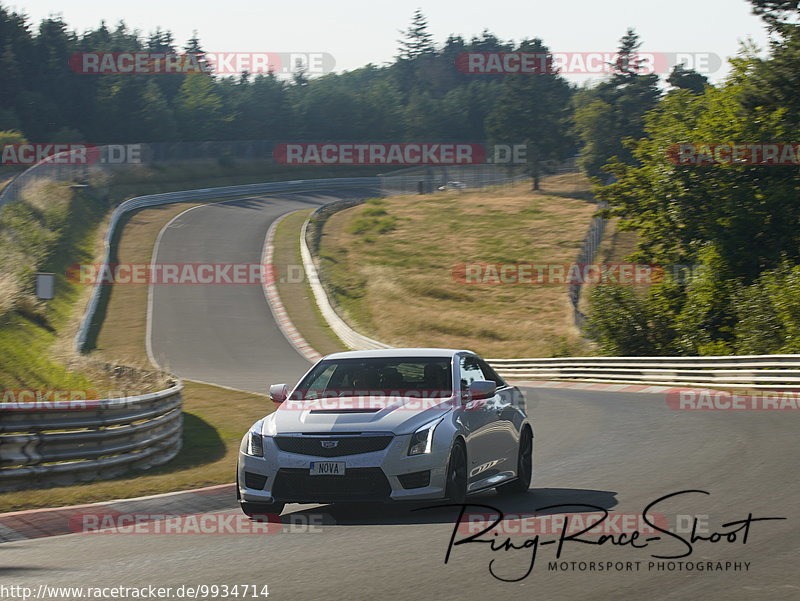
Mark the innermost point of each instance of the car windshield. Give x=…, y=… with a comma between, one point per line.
x=423, y=377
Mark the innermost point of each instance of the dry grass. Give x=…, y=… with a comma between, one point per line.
x=398, y=287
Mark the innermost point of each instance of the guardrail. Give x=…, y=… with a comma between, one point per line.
x=152, y=200
x=774, y=372
x=77, y=441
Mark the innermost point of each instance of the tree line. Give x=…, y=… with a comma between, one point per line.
x=419, y=95
x=737, y=224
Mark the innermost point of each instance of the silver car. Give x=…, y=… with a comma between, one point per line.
x=409, y=424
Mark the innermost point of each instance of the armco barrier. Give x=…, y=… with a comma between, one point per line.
x=743, y=371
x=152, y=200
x=78, y=441
x=773, y=372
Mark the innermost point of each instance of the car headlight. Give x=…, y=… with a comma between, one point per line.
x=255, y=445
x=422, y=439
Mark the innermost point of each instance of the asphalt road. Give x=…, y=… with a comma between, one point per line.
x=619, y=451
x=616, y=451
x=219, y=333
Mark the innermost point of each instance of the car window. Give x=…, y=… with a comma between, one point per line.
x=490, y=374
x=470, y=371
x=427, y=377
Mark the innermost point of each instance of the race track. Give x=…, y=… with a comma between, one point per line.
x=617, y=451
x=225, y=334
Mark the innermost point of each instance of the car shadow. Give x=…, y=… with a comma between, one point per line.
x=536, y=501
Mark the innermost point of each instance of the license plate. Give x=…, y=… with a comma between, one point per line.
x=327, y=468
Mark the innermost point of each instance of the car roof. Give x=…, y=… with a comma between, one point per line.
x=397, y=352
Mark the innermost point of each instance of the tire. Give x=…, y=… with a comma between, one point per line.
x=522, y=482
x=261, y=511
x=456, y=488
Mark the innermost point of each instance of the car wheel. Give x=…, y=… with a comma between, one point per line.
x=261, y=511
x=456, y=489
x=524, y=466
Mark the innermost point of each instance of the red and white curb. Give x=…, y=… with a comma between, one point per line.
x=274, y=300
x=40, y=523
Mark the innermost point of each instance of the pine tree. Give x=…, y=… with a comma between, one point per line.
x=417, y=41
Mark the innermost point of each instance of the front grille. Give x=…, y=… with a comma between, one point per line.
x=357, y=484
x=256, y=481
x=415, y=479
x=345, y=445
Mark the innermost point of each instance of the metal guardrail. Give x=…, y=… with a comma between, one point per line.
x=77, y=441
x=152, y=200
x=773, y=372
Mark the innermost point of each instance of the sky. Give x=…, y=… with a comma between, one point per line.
x=357, y=32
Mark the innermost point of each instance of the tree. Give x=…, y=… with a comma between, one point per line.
x=155, y=119
x=624, y=98
x=417, y=41
x=533, y=108
x=198, y=108
x=776, y=13
x=682, y=78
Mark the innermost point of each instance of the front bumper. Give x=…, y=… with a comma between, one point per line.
x=377, y=476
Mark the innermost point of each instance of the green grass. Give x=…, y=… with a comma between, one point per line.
x=29, y=332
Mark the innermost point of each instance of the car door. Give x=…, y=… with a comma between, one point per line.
x=507, y=406
x=486, y=433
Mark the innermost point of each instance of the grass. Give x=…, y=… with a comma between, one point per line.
x=390, y=267
x=296, y=296
x=36, y=336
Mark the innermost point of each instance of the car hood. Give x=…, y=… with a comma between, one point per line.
x=399, y=415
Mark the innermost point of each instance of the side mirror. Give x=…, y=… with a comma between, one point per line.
x=278, y=393
x=482, y=389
